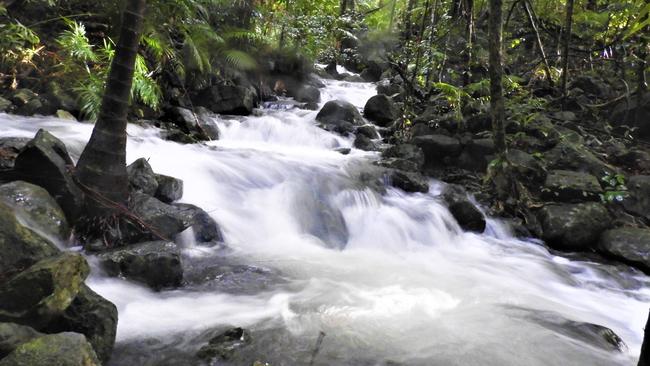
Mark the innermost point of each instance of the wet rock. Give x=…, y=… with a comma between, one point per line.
x=389, y=88
x=570, y=186
x=320, y=218
x=21, y=97
x=207, y=127
x=308, y=94
x=156, y=264
x=224, y=346
x=169, y=189
x=573, y=226
x=399, y=164
x=13, y=335
x=438, y=149
x=205, y=228
x=227, y=99
x=568, y=156
x=363, y=142
x=343, y=150
x=63, y=349
x=353, y=79
x=476, y=155
x=408, y=152
x=381, y=110
x=409, y=181
x=20, y=246
x=43, y=291
x=368, y=130
x=162, y=220
x=5, y=105
x=468, y=216
x=44, y=161
x=63, y=114
x=9, y=149
x=141, y=177
x=33, y=204
x=339, y=116
x=630, y=245
x=93, y=316
x=198, y=124
x=638, y=201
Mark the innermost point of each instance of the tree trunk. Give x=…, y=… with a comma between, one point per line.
x=642, y=85
x=392, y=16
x=418, y=56
x=469, y=34
x=408, y=27
x=540, y=45
x=343, y=7
x=497, y=108
x=644, y=358
x=430, y=44
x=565, y=48
x=101, y=170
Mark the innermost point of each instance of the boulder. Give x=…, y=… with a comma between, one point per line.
x=34, y=205
x=339, y=116
x=13, y=335
x=369, y=131
x=199, y=125
x=389, y=87
x=43, y=291
x=408, y=181
x=63, y=114
x=625, y=112
x=399, y=164
x=468, y=216
x=161, y=219
x=169, y=189
x=9, y=149
x=20, y=246
x=408, y=152
x=381, y=110
x=5, y=105
x=630, y=245
x=592, y=85
x=573, y=226
x=207, y=127
x=44, y=161
x=308, y=94
x=21, y=97
x=63, y=349
x=422, y=129
x=438, y=149
x=205, y=229
x=569, y=156
x=93, y=316
x=526, y=167
x=156, y=264
x=364, y=143
x=227, y=99
x=476, y=155
x=638, y=201
x=59, y=98
x=224, y=346
x=141, y=177
x=570, y=186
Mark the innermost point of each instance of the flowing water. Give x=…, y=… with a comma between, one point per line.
x=409, y=287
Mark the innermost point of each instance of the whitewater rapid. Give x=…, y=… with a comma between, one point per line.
x=410, y=287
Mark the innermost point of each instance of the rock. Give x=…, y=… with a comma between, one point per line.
x=63, y=349
x=422, y=129
x=408, y=152
x=31, y=108
x=44, y=161
x=21, y=97
x=568, y=156
x=169, y=189
x=227, y=99
x=206, y=230
x=343, y=150
x=624, y=114
x=34, y=205
x=468, y=216
x=364, y=143
x=573, y=226
x=141, y=177
x=200, y=125
x=477, y=155
x=93, y=316
x=208, y=128
x=339, y=116
x=593, y=86
x=526, y=167
x=630, y=245
x=409, y=181
x=381, y=110
x=569, y=186
x=20, y=246
x=9, y=149
x=224, y=346
x=638, y=201
x=389, y=88
x=60, y=99
x=43, y=291
x=63, y=114
x=319, y=217
x=166, y=220
x=156, y=264
x=438, y=149
x=5, y=105
x=369, y=131
x=308, y=94
x=13, y=335
x=399, y=164
x=353, y=79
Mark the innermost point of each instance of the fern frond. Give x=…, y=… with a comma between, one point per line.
x=240, y=60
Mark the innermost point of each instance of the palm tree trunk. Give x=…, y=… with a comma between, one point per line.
x=497, y=108
x=101, y=170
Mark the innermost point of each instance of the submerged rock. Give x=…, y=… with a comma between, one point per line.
x=339, y=116
x=33, y=204
x=205, y=228
x=156, y=263
x=630, y=245
x=573, y=226
x=225, y=345
x=141, y=177
x=381, y=110
x=468, y=216
x=63, y=349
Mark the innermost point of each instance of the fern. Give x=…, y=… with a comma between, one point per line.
x=74, y=42
x=240, y=60
x=144, y=88
x=89, y=96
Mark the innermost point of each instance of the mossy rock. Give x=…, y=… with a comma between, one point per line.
x=13, y=335
x=63, y=349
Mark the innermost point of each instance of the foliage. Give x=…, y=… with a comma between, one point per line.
x=615, y=188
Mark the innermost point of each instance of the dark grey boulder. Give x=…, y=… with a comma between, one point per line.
x=308, y=94
x=62, y=349
x=44, y=161
x=93, y=316
x=438, y=149
x=225, y=345
x=9, y=149
x=569, y=156
x=13, y=335
x=468, y=216
x=408, y=181
x=227, y=99
x=638, y=200
x=368, y=130
x=570, y=186
x=477, y=154
x=169, y=189
x=141, y=177
x=381, y=110
x=630, y=245
x=625, y=112
x=198, y=124
x=205, y=228
x=156, y=264
x=526, y=167
x=408, y=152
x=399, y=164
x=5, y=105
x=162, y=220
x=574, y=227
x=363, y=142
x=339, y=116
x=34, y=205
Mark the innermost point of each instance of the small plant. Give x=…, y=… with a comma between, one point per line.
x=615, y=189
